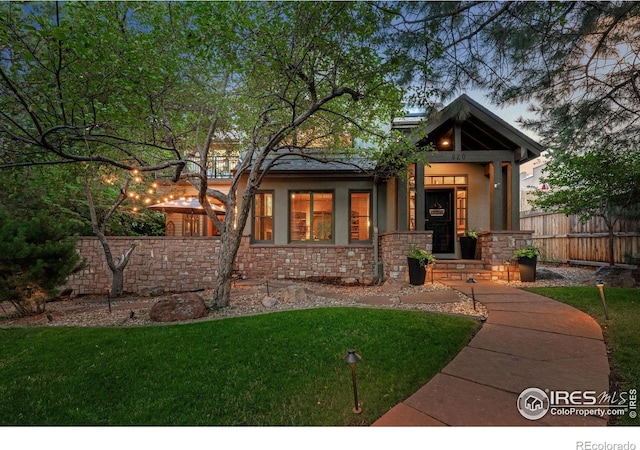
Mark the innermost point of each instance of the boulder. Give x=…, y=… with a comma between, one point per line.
x=615, y=276
x=269, y=302
x=547, y=274
x=295, y=294
x=178, y=307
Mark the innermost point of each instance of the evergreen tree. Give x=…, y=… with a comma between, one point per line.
x=36, y=257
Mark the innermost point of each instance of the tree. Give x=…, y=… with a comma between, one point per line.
x=100, y=83
x=99, y=229
x=601, y=183
x=576, y=62
x=68, y=97
x=37, y=255
x=293, y=87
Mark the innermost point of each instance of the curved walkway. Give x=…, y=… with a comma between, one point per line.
x=528, y=341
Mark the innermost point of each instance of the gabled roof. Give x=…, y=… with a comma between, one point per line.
x=481, y=126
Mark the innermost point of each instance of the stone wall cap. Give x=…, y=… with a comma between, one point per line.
x=506, y=232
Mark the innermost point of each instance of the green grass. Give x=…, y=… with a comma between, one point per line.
x=275, y=369
x=621, y=331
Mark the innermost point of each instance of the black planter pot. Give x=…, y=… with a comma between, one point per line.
x=527, y=268
x=417, y=273
x=468, y=247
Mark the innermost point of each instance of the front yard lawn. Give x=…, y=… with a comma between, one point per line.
x=621, y=331
x=274, y=369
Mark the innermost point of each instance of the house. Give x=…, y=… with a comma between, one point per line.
x=337, y=219
x=322, y=218
x=319, y=218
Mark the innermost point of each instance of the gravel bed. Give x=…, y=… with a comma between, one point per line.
x=549, y=275
x=247, y=296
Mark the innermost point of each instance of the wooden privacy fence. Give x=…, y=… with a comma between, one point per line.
x=566, y=239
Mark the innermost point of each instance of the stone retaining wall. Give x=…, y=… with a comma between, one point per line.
x=174, y=263
x=354, y=262
x=177, y=264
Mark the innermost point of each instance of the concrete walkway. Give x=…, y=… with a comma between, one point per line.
x=528, y=341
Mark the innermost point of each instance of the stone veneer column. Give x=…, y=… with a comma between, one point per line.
x=497, y=248
x=394, y=248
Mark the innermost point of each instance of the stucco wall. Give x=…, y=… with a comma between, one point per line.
x=281, y=188
x=478, y=190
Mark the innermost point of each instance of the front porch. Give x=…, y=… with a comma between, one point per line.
x=494, y=250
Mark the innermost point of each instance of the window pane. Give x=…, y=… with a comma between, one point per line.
x=412, y=210
x=311, y=216
x=322, y=216
x=412, y=176
x=360, y=216
x=300, y=219
x=461, y=213
x=263, y=216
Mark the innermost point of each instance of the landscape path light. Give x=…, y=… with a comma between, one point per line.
x=352, y=358
x=600, y=285
x=473, y=294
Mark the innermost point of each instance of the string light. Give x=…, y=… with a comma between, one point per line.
x=143, y=195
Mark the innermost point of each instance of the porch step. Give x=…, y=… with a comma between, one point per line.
x=459, y=264
x=460, y=269
x=458, y=275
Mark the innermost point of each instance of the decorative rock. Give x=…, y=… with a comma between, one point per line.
x=393, y=285
x=150, y=291
x=269, y=302
x=295, y=294
x=615, y=276
x=547, y=274
x=178, y=307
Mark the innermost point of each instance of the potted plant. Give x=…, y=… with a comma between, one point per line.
x=468, y=244
x=527, y=258
x=417, y=260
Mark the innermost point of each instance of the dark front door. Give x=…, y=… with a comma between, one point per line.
x=439, y=218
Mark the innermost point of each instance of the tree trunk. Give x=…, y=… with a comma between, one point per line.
x=117, y=268
x=228, y=252
x=117, y=282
